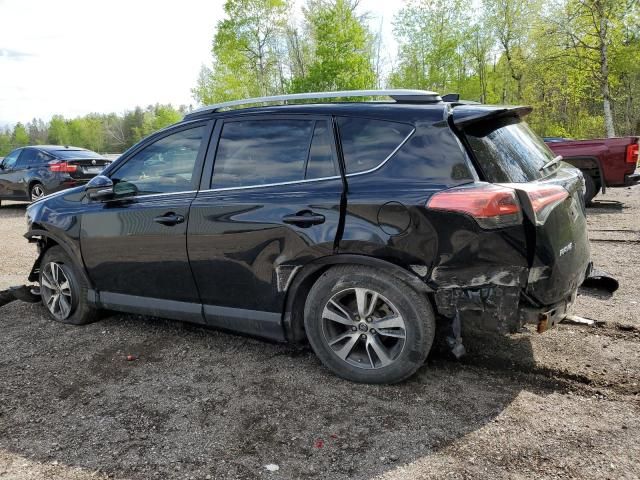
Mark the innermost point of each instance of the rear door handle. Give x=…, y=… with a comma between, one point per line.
x=169, y=219
x=304, y=219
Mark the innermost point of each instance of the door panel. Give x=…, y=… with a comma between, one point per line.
x=126, y=251
x=275, y=204
x=239, y=241
x=136, y=245
x=11, y=177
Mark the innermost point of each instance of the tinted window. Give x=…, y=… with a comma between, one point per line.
x=320, y=162
x=67, y=154
x=32, y=156
x=259, y=152
x=367, y=143
x=509, y=153
x=164, y=166
x=10, y=160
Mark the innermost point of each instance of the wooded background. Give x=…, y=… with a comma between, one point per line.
x=577, y=62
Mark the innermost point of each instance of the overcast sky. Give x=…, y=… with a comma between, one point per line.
x=76, y=56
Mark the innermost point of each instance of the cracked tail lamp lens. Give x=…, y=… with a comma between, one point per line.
x=491, y=206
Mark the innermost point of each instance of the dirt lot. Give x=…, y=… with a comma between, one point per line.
x=201, y=404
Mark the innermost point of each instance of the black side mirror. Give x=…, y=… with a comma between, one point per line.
x=100, y=188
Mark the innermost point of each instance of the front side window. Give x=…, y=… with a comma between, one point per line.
x=165, y=166
x=10, y=160
x=263, y=152
x=367, y=143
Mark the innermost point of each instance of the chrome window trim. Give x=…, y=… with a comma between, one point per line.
x=335, y=177
x=184, y=192
x=395, y=150
x=264, y=185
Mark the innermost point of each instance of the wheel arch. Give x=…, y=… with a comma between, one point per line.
x=303, y=277
x=45, y=240
x=31, y=183
x=588, y=164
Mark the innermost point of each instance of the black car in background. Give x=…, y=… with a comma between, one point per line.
x=355, y=226
x=30, y=173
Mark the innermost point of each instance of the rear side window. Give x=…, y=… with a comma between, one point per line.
x=509, y=151
x=32, y=157
x=262, y=152
x=367, y=143
x=28, y=157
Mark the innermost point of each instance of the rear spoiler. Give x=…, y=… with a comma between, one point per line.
x=466, y=115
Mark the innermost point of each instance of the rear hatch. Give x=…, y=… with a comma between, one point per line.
x=505, y=151
x=79, y=163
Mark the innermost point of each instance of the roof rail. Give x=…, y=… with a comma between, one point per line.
x=399, y=95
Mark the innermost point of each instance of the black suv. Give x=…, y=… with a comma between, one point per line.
x=355, y=226
x=30, y=173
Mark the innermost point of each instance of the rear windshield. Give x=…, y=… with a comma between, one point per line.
x=70, y=154
x=509, y=151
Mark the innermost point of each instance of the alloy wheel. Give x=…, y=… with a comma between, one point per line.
x=363, y=328
x=56, y=290
x=37, y=192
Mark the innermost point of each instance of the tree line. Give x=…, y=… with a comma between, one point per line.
x=105, y=133
x=577, y=62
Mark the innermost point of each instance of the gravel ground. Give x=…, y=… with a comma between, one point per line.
x=198, y=403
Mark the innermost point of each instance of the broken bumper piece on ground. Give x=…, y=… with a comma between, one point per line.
x=25, y=293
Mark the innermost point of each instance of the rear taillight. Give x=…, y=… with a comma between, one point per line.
x=633, y=152
x=543, y=198
x=492, y=206
x=63, y=167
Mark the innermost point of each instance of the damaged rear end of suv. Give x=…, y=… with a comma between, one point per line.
x=532, y=271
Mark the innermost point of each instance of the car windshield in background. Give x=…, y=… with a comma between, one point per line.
x=511, y=152
x=67, y=154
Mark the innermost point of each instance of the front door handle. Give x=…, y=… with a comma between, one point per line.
x=304, y=219
x=169, y=219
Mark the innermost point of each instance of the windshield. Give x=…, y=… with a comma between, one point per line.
x=67, y=154
x=509, y=151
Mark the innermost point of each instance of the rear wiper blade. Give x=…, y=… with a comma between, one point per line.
x=551, y=162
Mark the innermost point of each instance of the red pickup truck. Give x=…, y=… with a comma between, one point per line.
x=606, y=162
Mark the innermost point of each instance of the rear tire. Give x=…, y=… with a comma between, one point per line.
x=367, y=326
x=591, y=190
x=36, y=192
x=63, y=288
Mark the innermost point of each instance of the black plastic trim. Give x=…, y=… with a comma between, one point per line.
x=252, y=322
x=155, y=307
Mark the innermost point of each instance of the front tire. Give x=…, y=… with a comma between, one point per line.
x=367, y=326
x=63, y=288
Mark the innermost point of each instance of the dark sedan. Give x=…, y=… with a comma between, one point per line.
x=29, y=173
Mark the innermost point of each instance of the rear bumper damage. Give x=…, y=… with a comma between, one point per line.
x=497, y=301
